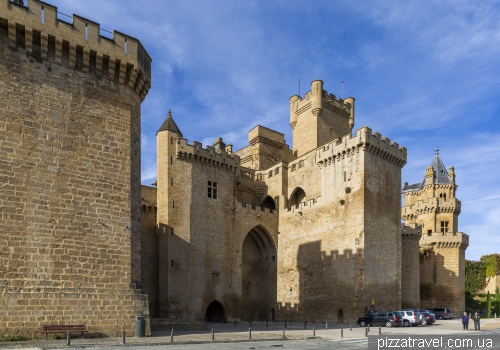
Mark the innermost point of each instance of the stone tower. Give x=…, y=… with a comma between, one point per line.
x=319, y=118
x=432, y=205
x=70, y=172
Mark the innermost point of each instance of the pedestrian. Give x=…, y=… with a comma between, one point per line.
x=477, y=321
x=465, y=321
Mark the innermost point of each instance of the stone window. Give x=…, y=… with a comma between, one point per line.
x=277, y=171
x=442, y=195
x=301, y=164
x=444, y=227
x=294, y=166
x=215, y=276
x=212, y=190
x=429, y=232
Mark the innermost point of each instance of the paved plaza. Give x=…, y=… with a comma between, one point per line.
x=229, y=336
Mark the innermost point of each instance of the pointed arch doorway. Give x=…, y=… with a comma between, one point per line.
x=259, y=274
x=215, y=312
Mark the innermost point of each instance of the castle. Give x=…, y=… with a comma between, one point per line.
x=266, y=232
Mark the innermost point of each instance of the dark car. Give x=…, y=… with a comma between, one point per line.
x=382, y=318
x=429, y=317
x=442, y=313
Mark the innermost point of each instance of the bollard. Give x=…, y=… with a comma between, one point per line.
x=68, y=339
x=342, y=332
x=350, y=327
x=326, y=325
x=283, y=336
x=123, y=337
x=172, y=336
x=314, y=331
x=366, y=332
x=305, y=324
x=235, y=323
x=368, y=328
x=213, y=335
x=379, y=330
x=249, y=333
x=285, y=323
x=267, y=323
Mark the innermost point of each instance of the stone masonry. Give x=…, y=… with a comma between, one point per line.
x=291, y=233
x=311, y=232
x=70, y=172
x=432, y=206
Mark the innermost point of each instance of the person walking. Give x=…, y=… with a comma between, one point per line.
x=477, y=322
x=465, y=321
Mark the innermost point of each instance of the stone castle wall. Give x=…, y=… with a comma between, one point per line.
x=149, y=248
x=70, y=170
x=410, y=269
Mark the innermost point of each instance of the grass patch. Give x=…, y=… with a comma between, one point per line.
x=13, y=338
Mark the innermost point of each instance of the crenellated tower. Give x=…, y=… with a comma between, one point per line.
x=319, y=118
x=432, y=205
x=70, y=119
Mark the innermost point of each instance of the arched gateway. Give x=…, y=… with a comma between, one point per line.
x=259, y=274
x=215, y=312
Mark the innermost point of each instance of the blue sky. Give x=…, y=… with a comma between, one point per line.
x=424, y=74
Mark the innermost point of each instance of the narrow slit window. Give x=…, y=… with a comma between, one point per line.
x=86, y=32
x=42, y=15
x=125, y=47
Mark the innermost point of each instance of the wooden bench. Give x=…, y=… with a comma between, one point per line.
x=68, y=328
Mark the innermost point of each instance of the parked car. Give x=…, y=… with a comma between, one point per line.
x=442, y=313
x=382, y=318
x=429, y=317
x=412, y=317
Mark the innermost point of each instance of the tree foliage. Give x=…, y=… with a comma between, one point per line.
x=477, y=273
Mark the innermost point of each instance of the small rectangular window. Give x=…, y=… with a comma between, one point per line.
x=444, y=227
x=212, y=190
x=429, y=232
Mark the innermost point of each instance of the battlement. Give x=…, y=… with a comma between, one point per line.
x=362, y=139
x=257, y=210
x=411, y=231
x=432, y=205
x=305, y=205
x=316, y=99
x=445, y=240
x=78, y=45
x=208, y=155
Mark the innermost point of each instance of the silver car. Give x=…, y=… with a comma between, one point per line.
x=411, y=318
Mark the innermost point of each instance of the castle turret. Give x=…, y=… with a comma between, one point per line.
x=432, y=205
x=166, y=145
x=319, y=118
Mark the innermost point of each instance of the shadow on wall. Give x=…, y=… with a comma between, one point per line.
x=331, y=287
x=440, y=286
x=226, y=289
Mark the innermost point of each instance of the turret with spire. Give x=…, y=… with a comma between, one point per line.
x=432, y=206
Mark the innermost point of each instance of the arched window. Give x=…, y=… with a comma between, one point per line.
x=298, y=197
x=269, y=203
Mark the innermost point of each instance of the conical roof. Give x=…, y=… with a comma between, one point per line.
x=169, y=124
x=440, y=173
